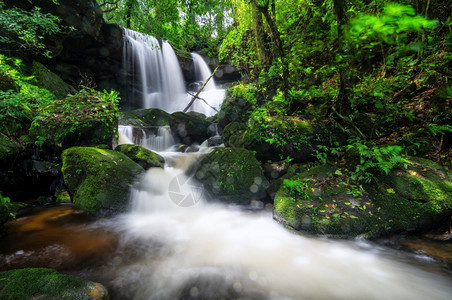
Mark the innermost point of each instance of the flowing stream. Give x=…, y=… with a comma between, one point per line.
x=175, y=242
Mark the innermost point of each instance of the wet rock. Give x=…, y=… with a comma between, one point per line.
x=99, y=180
x=42, y=283
x=144, y=117
x=233, y=175
x=142, y=156
x=191, y=128
x=324, y=200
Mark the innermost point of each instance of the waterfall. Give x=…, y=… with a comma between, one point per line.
x=159, y=75
x=155, y=77
x=153, y=138
x=211, y=94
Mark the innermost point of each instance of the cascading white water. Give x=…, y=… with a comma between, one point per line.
x=186, y=247
x=161, y=80
x=160, y=139
x=177, y=245
x=211, y=94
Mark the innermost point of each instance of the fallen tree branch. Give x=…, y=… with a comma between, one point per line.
x=199, y=91
x=356, y=129
x=199, y=98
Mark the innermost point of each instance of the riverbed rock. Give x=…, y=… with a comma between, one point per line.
x=191, y=128
x=43, y=283
x=325, y=200
x=233, y=175
x=144, y=117
x=142, y=156
x=99, y=179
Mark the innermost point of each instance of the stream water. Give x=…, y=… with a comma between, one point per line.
x=176, y=243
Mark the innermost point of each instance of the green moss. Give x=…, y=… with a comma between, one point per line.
x=233, y=174
x=144, y=157
x=41, y=283
x=144, y=117
x=322, y=200
x=190, y=128
x=48, y=80
x=98, y=179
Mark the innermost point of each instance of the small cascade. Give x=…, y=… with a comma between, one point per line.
x=153, y=138
x=212, y=96
x=160, y=79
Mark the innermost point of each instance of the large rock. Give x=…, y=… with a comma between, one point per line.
x=274, y=143
x=142, y=156
x=324, y=200
x=99, y=180
x=233, y=175
x=88, y=118
x=191, y=128
x=42, y=283
x=90, y=53
x=48, y=80
x=144, y=117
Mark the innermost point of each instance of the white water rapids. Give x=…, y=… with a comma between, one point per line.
x=176, y=243
x=207, y=250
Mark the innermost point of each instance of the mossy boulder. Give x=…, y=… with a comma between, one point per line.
x=235, y=108
x=191, y=128
x=233, y=175
x=280, y=138
x=325, y=200
x=42, y=283
x=142, y=156
x=98, y=179
x=88, y=118
x=48, y=80
x=144, y=117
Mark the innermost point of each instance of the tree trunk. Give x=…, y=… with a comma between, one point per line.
x=342, y=104
x=268, y=11
x=259, y=35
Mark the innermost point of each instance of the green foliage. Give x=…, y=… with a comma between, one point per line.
x=374, y=160
x=297, y=187
x=18, y=106
x=64, y=117
x=187, y=24
x=27, y=28
x=6, y=202
x=272, y=124
x=391, y=27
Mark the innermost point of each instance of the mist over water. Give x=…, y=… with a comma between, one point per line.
x=208, y=250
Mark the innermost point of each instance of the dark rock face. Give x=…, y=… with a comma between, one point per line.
x=92, y=53
x=191, y=128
